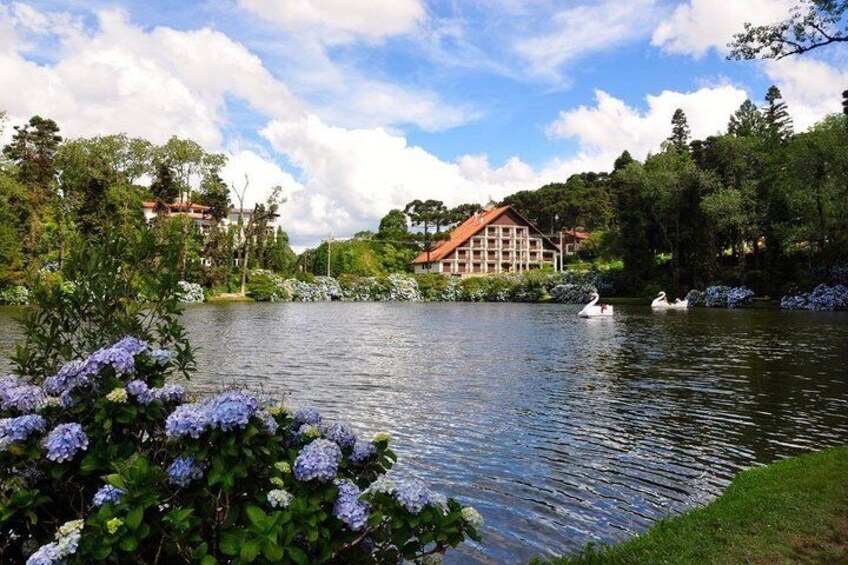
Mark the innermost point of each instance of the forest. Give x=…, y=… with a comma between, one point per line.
x=760, y=205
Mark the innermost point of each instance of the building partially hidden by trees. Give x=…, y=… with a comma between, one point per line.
x=495, y=241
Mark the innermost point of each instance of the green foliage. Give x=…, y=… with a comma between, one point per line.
x=583, y=200
x=266, y=286
x=124, y=284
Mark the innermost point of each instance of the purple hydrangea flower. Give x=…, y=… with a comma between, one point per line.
x=187, y=420
x=183, y=470
x=139, y=390
x=19, y=395
x=13, y=430
x=65, y=441
x=132, y=345
x=161, y=356
x=341, y=433
x=307, y=416
x=413, y=495
x=349, y=508
x=108, y=494
x=70, y=376
x=119, y=359
x=318, y=460
x=269, y=424
x=362, y=451
x=169, y=393
x=232, y=409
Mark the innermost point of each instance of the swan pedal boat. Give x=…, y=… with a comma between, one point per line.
x=661, y=303
x=593, y=310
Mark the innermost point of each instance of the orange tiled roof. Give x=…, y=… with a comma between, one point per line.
x=576, y=234
x=180, y=205
x=466, y=230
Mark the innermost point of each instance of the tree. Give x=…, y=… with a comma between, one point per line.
x=777, y=124
x=32, y=149
x=164, y=187
x=462, y=212
x=746, y=121
x=215, y=193
x=810, y=25
x=393, y=226
x=680, y=131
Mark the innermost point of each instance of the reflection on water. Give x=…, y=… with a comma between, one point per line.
x=559, y=430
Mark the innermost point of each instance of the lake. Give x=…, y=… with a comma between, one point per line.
x=559, y=430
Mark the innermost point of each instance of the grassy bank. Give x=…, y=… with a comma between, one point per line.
x=794, y=511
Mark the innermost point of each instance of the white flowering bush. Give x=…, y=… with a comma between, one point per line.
x=105, y=461
x=190, y=293
x=14, y=296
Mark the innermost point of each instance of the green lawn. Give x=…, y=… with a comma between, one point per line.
x=794, y=511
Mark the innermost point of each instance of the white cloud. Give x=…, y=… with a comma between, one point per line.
x=121, y=78
x=812, y=89
x=697, y=26
x=580, y=30
x=342, y=20
x=262, y=173
x=611, y=126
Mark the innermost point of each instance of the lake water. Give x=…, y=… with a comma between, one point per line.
x=559, y=430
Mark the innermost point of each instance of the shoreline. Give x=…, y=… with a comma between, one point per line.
x=794, y=510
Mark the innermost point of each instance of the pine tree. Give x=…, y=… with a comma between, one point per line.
x=746, y=121
x=776, y=121
x=679, y=130
x=33, y=149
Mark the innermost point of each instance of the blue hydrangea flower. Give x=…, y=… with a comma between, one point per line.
x=20, y=396
x=412, y=495
x=161, y=356
x=439, y=500
x=187, y=420
x=13, y=430
x=120, y=359
x=307, y=416
x=66, y=544
x=139, y=390
x=65, y=441
x=362, y=451
x=232, y=409
x=183, y=470
x=341, y=433
x=107, y=494
x=349, y=507
x=269, y=424
x=382, y=485
x=169, y=393
x=70, y=376
x=319, y=460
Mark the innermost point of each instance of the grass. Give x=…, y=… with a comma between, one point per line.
x=793, y=511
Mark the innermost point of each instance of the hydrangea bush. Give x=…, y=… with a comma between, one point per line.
x=822, y=298
x=14, y=296
x=105, y=461
x=190, y=293
x=726, y=297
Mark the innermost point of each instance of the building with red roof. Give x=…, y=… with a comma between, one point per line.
x=495, y=241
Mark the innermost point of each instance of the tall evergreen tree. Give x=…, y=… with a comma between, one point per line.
x=33, y=149
x=164, y=187
x=776, y=120
x=746, y=121
x=680, y=131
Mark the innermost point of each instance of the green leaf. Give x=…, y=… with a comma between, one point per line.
x=256, y=516
x=297, y=555
x=273, y=552
x=129, y=544
x=230, y=543
x=134, y=518
x=249, y=550
x=209, y=560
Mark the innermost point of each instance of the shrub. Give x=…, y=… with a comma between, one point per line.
x=823, y=297
x=265, y=286
x=696, y=299
x=190, y=293
x=105, y=461
x=572, y=293
x=14, y=296
x=727, y=297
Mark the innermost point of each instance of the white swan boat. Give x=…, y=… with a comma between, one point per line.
x=661, y=303
x=594, y=310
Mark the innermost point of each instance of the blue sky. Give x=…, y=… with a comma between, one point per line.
x=358, y=107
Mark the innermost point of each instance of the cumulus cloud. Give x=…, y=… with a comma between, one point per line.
x=122, y=78
x=811, y=88
x=577, y=31
x=697, y=26
x=609, y=127
x=341, y=20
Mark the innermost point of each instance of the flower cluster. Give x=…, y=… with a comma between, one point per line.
x=190, y=293
x=118, y=396
x=279, y=498
x=65, y=441
x=472, y=517
x=307, y=416
x=341, y=433
x=696, y=299
x=183, y=470
x=413, y=495
x=822, y=298
x=349, y=506
x=107, y=494
x=362, y=451
x=14, y=296
x=57, y=552
x=227, y=411
x=572, y=293
x=16, y=430
x=319, y=460
x=727, y=297
x=20, y=396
